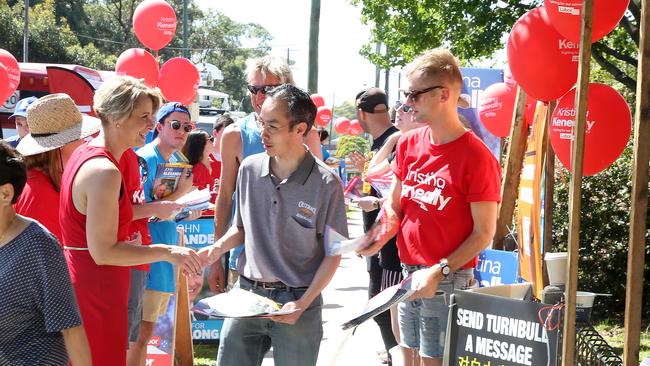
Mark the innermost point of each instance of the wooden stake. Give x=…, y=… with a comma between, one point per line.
x=514, y=163
x=575, y=192
x=184, y=350
x=549, y=179
x=636, y=252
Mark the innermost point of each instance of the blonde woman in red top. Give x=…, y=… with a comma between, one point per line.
x=98, y=213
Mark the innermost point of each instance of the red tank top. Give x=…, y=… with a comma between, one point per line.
x=74, y=229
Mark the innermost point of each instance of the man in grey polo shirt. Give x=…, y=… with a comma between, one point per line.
x=284, y=200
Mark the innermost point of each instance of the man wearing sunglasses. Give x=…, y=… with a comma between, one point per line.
x=241, y=140
x=374, y=117
x=443, y=203
x=172, y=127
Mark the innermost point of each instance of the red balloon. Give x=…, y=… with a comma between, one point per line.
x=323, y=116
x=342, y=125
x=496, y=106
x=140, y=64
x=5, y=92
x=154, y=23
x=13, y=70
x=566, y=16
x=607, y=131
x=179, y=79
x=318, y=100
x=355, y=128
x=543, y=63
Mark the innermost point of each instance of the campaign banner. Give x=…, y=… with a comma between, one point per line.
x=497, y=267
x=497, y=331
x=160, y=349
x=475, y=80
x=198, y=234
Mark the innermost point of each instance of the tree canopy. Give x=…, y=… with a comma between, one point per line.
x=474, y=30
x=94, y=33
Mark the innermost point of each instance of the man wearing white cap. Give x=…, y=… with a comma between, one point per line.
x=20, y=118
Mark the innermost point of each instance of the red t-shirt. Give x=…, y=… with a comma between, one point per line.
x=202, y=178
x=438, y=184
x=130, y=169
x=40, y=201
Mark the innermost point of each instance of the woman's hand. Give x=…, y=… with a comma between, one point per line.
x=187, y=258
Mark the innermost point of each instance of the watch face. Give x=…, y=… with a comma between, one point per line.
x=446, y=270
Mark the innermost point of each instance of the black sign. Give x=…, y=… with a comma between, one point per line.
x=486, y=330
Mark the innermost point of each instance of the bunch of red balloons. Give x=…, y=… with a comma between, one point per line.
x=543, y=45
x=154, y=24
x=9, y=75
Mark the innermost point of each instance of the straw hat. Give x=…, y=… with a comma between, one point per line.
x=55, y=121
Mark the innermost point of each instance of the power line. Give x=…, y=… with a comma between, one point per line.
x=190, y=49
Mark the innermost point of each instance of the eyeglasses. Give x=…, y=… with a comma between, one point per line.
x=176, y=125
x=399, y=106
x=414, y=94
x=254, y=89
x=270, y=129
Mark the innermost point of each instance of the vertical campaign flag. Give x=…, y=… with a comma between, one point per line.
x=476, y=80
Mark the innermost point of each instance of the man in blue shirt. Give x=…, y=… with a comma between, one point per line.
x=172, y=127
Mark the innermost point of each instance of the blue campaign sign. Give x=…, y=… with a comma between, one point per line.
x=199, y=234
x=474, y=82
x=497, y=267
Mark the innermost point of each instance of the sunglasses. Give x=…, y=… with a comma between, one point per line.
x=414, y=94
x=254, y=89
x=399, y=106
x=176, y=125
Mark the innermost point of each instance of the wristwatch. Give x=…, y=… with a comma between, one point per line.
x=376, y=204
x=444, y=267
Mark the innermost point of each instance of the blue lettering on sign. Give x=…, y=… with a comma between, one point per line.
x=198, y=233
x=497, y=267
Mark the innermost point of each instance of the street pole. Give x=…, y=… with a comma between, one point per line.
x=377, y=70
x=26, y=33
x=314, y=28
x=186, y=51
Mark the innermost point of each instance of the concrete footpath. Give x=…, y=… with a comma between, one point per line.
x=345, y=296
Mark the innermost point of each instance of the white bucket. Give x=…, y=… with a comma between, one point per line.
x=584, y=303
x=556, y=267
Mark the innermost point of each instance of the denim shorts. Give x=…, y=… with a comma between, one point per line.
x=244, y=341
x=423, y=322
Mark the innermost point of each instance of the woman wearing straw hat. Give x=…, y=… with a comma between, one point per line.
x=57, y=129
x=39, y=317
x=98, y=213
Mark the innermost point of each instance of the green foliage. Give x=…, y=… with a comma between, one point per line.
x=604, y=225
x=93, y=33
x=475, y=29
x=346, y=109
x=349, y=144
x=472, y=29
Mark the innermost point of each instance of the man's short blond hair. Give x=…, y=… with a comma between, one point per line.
x=439, y=64
x=270, y=65
x=115, y=100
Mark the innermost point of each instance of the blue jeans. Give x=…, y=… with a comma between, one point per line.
x=244, y=341
x=423, y=322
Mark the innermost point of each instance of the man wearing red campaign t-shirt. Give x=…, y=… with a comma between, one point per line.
x=443, y=202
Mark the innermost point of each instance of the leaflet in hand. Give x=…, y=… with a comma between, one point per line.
x=354, y=190
x=196, y=200
x=382, y=183
x=167, y=177
x=238, y=303
x=381, y=230
x=382, y=302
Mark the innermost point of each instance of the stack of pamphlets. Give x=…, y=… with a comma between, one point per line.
x=337, y=244
x=196, y=200
x=238, y=303
x=167, y=177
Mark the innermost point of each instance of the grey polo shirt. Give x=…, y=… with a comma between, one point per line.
x=284, y=221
